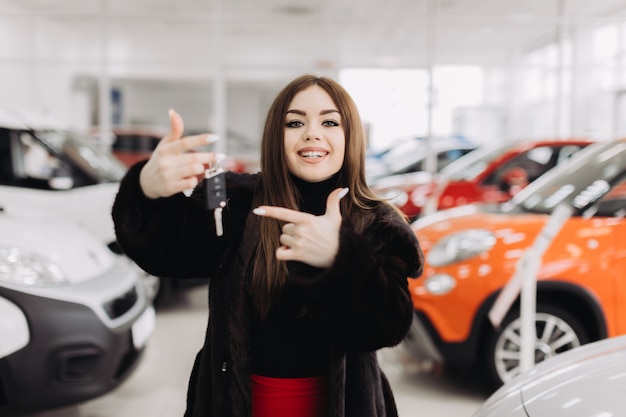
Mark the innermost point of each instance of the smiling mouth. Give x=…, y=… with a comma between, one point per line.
x=313, y=154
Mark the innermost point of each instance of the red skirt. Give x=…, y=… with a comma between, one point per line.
x=289, y=397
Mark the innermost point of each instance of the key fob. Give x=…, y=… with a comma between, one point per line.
x=215, y=189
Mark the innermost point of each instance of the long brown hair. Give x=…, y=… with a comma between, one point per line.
x=277, y=188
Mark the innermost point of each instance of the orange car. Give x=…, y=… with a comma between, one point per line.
x=472, y=251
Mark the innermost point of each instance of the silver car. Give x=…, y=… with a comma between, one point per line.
x=587, y=381
x=74, y=316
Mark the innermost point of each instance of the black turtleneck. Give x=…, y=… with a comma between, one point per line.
x=290, y=343
x=314, y=194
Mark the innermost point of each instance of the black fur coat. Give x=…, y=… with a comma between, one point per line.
x=362, y=298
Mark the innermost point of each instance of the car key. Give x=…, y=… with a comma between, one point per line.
x=215, y=195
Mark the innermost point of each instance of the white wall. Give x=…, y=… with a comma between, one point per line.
x=44, y=66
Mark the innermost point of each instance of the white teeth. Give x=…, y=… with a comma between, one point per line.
x=312, y=154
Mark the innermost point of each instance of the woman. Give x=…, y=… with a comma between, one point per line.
x=309, y=274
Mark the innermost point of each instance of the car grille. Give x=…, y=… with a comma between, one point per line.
x=120, y=305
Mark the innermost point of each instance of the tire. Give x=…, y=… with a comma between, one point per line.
x=557, y=331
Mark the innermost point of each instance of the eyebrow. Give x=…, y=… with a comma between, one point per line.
x=303, y=113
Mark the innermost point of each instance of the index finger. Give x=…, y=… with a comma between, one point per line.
x=281, y=213
x=191, y=143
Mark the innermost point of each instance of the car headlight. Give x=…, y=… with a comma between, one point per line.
x=24, y=268
x=439, y=284
x=460, y=246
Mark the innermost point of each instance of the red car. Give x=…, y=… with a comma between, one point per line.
x=490, y=174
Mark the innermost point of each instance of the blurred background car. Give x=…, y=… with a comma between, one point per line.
x=395, y=188
x=74, y=317
x=410, y=155
x=131, y=144
x=492, y=173
x=71, y=175
x=585, y=381
x=42, y=164
x=473, y=250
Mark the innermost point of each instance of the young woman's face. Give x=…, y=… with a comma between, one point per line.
x=315, y=142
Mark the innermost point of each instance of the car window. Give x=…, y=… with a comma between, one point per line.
x=32, y=159
x=95, y=160
x=37, y=161
x=26, y=162
x=534, y=163
x=445, y=158
x=565, y=152
x=473, y=164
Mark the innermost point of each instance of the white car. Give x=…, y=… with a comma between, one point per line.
x=45, y=165
x=583, y=382
x=68, y=174
x=74, y=316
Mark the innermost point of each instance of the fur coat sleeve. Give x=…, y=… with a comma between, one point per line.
x=363, y=297
x=175, y=236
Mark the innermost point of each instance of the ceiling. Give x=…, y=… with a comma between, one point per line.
x=262, y=38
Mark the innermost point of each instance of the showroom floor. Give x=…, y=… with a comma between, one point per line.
x=158, y=387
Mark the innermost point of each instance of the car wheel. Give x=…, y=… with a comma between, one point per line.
x=557, y=332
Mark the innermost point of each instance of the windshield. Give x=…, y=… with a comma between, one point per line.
x=95, y=159
x=580, y=182
x=471, y=165
x=411, y=156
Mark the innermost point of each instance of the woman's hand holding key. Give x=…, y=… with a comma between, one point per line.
x=173, y=167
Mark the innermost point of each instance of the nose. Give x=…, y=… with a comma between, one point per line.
x=311, y=133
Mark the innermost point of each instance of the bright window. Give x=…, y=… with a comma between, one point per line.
x=394, y=102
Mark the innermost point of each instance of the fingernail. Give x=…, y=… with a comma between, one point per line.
x=170, y=112
x=343, y=193
x=259, y=211
x=212, y=137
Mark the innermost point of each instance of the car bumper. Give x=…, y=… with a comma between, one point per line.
x=83, y=340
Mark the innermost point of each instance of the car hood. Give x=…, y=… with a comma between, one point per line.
x=78, y=254
x=88, y=206
x=510, y=229
x=587, y=381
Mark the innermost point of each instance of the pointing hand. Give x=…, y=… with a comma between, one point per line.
x=305, y=237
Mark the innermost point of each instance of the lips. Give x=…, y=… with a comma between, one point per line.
x=309, y=153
